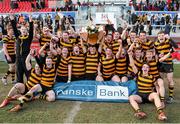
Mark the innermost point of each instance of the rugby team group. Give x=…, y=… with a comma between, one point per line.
x=66, y=56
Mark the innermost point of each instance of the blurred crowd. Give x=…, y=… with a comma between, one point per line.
x=62, y=23
x=146, y=21
x=156, y=5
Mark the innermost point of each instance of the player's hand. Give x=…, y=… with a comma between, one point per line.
x=9, y=58
x=161, y=55
x=33, y=52
x=30, y=18
x=130, y=52
x=120, y=41
x=11, y=17
x=47, y=44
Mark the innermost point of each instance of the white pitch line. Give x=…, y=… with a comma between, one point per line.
x=72, y=114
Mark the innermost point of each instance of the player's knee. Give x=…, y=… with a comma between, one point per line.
x=19, y=87
x=50, y=98
x=116, y=78
x=160, y=83
x=154, y=95
x=124, y=79
x=99, y=78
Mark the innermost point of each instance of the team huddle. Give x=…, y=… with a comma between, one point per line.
x=68, y=57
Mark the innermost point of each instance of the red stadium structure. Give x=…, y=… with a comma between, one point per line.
x=23, y=6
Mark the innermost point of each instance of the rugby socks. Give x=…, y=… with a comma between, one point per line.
x=7, y=73
x=13, y=76
x=42, y=97
x=25, y=98
x=162, y=98
x=159, y=110
x=138, y=110
x=171, y=91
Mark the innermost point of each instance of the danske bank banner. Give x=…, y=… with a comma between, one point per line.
x=95, y=91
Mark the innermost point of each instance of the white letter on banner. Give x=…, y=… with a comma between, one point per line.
x=90, y=93
x=112, y=92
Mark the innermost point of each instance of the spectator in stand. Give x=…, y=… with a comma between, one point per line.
x=21, y=19
x=37, y=5
x=32, y=6
x=175, y=23
x=167, y=28
x=158, y=5
x=134, y=18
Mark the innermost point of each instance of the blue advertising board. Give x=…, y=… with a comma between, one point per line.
x=87, y=90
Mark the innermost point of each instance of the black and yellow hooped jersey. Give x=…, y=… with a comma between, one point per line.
x=105, y=45
x=44, y=39
x=145, y=83
x=62, y=69
x=54, y=59
x=33, y=79
x=153, y=70
x=48, y=76
x=138, y=64
x=115, y=46
x=10, y=44
x=108, y=66
x=121, y=65
x=164, y=48
x=147, y=45
x=92, y=61
x=78, y=64
x=68, y=45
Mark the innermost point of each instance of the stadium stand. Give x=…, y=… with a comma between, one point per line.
x=7, y=6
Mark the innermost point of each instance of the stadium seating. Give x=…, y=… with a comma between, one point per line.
x=23, y=6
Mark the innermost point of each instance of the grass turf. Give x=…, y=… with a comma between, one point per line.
x=90, y=112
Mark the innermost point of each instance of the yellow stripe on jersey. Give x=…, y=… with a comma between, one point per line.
x=62, y=69
x=145, y=83
x=108, y=66
x=138, y=64
x=23, y=37
x=121, y=65
x=54, y=59
x=33, y=79
x=115, y=47
x=104, y=46
x=164, y=48
x=44, y=39
x=147, y=45
x=48, y=76
x=10, y=44
x=92, y=63
x=78, y=64
x=153, y=70
x=68, y=45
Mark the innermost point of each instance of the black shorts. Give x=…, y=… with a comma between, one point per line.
x=45, y=89
x=63, y=79
x=165, y=68
x=13, y=59
x=122, y=75
x=108, y=78
x=131, y=77
x=144, y=97
x=158, y=77
x=90, y=76
x=77, y=78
